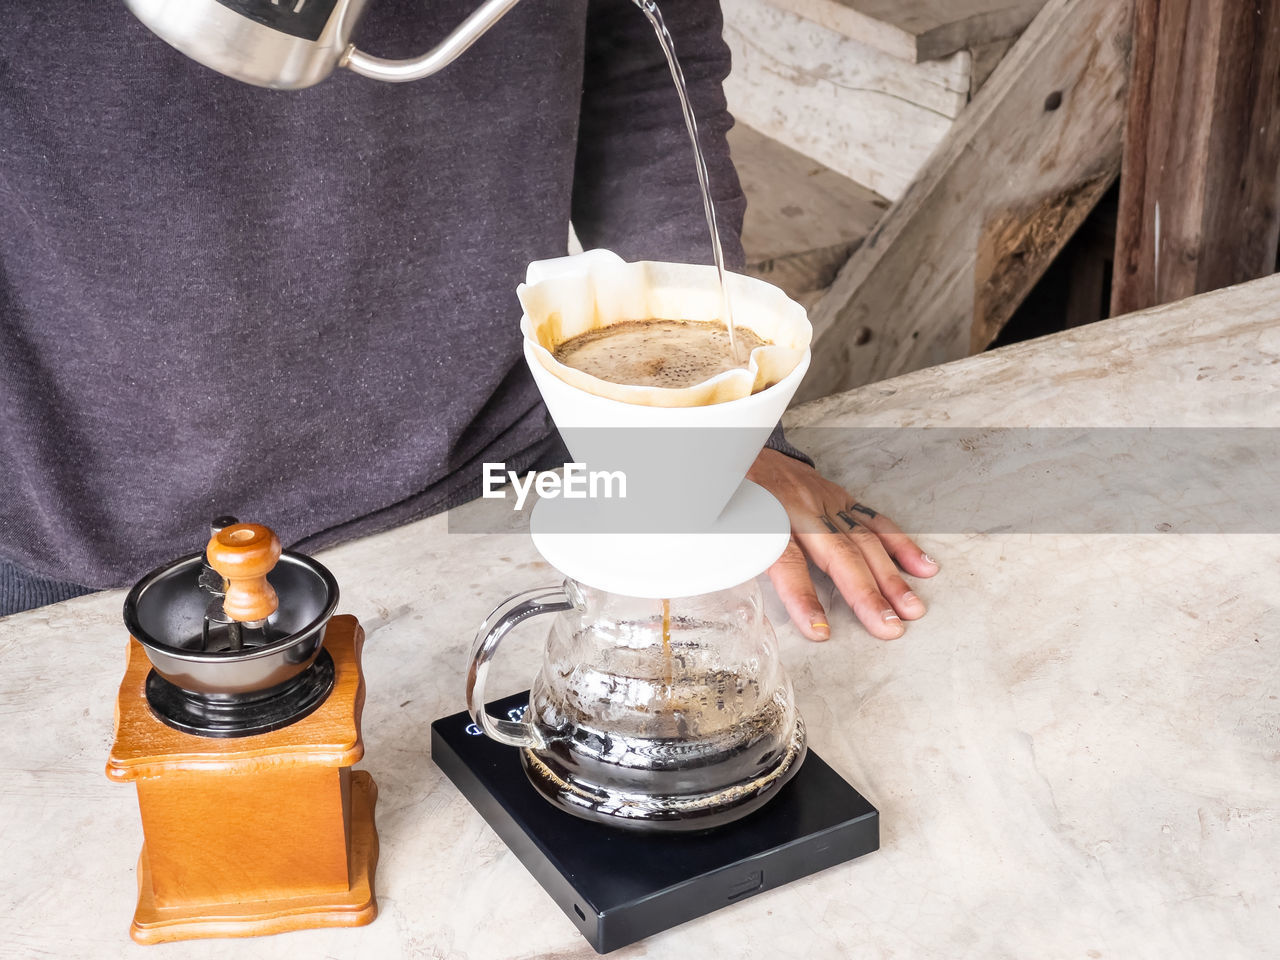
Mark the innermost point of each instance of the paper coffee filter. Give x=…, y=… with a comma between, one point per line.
x=599, y=289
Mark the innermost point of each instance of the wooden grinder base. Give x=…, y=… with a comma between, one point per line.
x=251, y=835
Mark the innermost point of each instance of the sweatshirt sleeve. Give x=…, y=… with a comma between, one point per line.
x=635, y=181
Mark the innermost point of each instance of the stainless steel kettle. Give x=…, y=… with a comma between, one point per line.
x=290, y=44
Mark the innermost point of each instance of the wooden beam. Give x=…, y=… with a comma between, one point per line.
x=865, y=114
x=1200, y=188
x=918, y=30
x=803, y=219
x=1047, y=123
x=1017, y=245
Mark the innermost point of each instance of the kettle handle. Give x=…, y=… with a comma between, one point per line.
x=438, y=57
x=509, y=613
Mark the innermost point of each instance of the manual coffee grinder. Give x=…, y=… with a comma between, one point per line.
x=658, y=768
x=238, y=721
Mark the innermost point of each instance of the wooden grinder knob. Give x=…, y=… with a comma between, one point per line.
x=244, y=554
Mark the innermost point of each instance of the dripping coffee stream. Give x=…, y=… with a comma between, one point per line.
x=650, y=9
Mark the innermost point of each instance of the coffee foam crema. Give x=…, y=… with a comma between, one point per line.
x=599, y=292
x=658, y=353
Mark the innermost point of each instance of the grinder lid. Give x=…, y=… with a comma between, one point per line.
x=279, y=595
x=166, y=608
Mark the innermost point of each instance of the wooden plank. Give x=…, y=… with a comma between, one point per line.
x=919, y=30
x=1200, y=195
x=1047, y=121
x=865, y=114
x=1175, y=365
x=1017, y=245
x=803, y=219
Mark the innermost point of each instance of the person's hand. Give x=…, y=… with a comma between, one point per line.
x=850, y=542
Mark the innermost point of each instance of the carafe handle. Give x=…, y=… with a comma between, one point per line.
x=512, y=611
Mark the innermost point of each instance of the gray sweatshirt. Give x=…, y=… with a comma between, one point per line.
x=299, y=307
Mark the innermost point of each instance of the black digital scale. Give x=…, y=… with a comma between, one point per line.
x=617, y=886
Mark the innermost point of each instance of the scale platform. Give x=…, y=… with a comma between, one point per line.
x=618, y=887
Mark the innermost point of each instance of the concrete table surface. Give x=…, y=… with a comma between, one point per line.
x=1076, y=753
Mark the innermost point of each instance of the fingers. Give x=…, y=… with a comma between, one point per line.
x=864, y=552
x=898, y=545
x=873, y=549
x=790, y=576
x=839, y=558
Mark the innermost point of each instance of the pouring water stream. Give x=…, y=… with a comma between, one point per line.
x=650, y=9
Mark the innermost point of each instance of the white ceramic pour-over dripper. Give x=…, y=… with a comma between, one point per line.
x=690, y=522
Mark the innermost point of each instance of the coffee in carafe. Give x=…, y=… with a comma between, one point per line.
x=652, y=715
